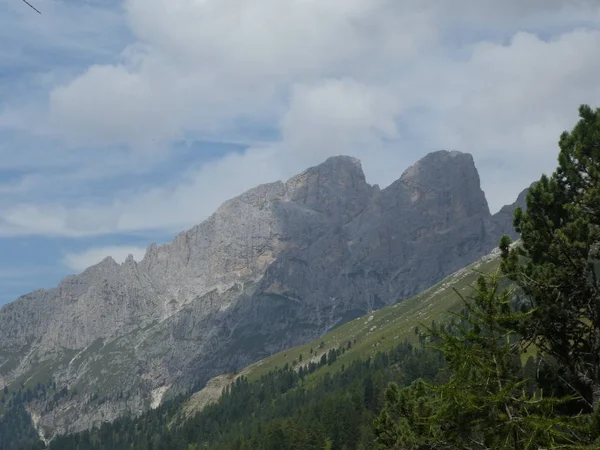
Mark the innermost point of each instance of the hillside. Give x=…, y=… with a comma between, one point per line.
x=379, y=331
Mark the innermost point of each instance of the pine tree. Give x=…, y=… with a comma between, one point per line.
x=557, y=261
x=485, y=404
x=405, y=421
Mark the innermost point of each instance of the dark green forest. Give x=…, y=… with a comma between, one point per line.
x=17, y=431
x=284, y=410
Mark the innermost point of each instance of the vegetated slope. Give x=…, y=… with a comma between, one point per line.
x=17, y=431
x=365, y=336
x=280, y=411
x=278, y=266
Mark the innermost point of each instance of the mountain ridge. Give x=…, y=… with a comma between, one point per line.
x=277, y=266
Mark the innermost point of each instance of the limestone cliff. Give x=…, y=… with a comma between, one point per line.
x=275, y=267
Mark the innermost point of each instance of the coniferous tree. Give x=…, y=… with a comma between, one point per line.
x=485, y=404
x=557, y=261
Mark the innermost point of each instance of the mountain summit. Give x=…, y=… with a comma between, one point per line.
x=277, y=266
x=447, y=179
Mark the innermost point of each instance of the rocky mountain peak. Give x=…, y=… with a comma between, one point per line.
x=505, y=217
x=336, y=171
x=448, y=179
x=336, y=187
x=108, y=261
x=129, y=261
x=345, y=164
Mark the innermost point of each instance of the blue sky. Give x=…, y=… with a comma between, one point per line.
x=125, y=122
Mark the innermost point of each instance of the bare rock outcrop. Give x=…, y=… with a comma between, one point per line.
x=275, y=267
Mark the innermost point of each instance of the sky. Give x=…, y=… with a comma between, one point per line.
x=123, y=123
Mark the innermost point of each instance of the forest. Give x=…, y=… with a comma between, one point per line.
x=283, y=410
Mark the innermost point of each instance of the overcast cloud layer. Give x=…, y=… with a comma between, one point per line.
x=143, y=116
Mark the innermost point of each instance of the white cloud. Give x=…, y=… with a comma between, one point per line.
x=383, y=80
x=202, y=64
x=82, y=260
x=337, y=114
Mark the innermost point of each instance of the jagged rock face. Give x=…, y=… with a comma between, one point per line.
x=504, y=218
x=277, y=266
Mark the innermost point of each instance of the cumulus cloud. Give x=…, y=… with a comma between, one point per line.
x=82, y=260
x=507, y=104
x=383, y=80
x=202, y=65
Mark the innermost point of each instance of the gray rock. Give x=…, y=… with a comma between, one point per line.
x=503, y=219
x=275, y=267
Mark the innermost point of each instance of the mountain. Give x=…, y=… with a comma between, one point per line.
x=379, y=331
x=331, y=388
x=276, y=267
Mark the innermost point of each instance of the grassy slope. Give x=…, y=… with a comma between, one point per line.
x=383, y=329
x=378, y=331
